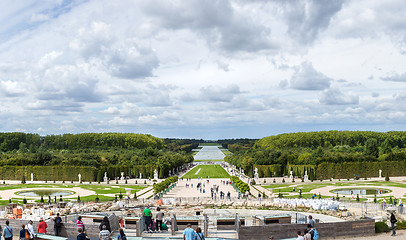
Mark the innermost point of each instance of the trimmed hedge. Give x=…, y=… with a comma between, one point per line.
x=242, y=186
x=362, y=169
x=49, y=173
x=159, y=187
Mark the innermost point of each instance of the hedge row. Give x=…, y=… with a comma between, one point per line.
x=269, y=170
x=362, y=169
x=159, y=187
x=48, y=173
x=242, y=186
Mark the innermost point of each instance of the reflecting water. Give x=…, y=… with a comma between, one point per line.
x=209, y=153
x=359, y=191
x=44, y=192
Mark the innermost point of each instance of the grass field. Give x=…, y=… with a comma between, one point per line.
x=214, y=171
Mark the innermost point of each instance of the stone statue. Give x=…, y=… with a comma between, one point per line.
x=306, y=177
x=256, y=173
x=122, y=175
x=380, y=173
x=140, y=175
x=80, y=177
x=105, y=178
x=291, y=174
x=155, y=174
x=32, y=177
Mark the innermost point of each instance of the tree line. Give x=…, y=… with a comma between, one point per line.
x=316, y=148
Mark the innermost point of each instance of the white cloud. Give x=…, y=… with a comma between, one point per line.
x=308, y=78
x=205, y=69
x=336, y=97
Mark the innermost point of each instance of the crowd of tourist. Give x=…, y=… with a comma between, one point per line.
x=27, y=231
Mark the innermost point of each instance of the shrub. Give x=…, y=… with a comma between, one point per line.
x=78, y=198
x=274, y=180
x=24, y=201
x=159, y=187
x=293, y=180
x=337, y=198
x=242, y=186
x=387, y=177
x=42, y=199
x=375, y=199
x=283, y=180
x=401, y=225
x=97, y=198
x=357, y=197
x=23, y=180
x=381, y=227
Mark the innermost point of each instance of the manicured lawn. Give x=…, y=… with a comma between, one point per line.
x=106, y=189
x=214, y=171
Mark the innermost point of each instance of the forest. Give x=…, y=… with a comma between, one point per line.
x=325, y=154
x=114, y=153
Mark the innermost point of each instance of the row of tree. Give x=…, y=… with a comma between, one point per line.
x=315, y=148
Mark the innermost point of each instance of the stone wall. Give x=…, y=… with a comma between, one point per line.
x=326, y=230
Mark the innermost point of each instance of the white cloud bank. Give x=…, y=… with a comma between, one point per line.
x=200, y=68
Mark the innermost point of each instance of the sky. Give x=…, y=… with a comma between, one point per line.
x=206, y=69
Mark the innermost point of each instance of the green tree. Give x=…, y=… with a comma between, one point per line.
x=371, y=147
x=99, y=176
x=386, y=147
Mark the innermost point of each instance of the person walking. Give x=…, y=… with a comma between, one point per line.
x=79, y=223
x=42, y=226
x=199, y=235
x=22, y=232
x=106, y=222
x=159, y=217
x=121, y=235
x=311, y=221
x=8, y=231
x=30, y=229
x=188, y=233
x=104, y=234
x=148, y=219
x=57, y=224
x=393, y=222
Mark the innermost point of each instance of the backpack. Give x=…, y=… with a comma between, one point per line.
x=316, y=234
x=27, y=235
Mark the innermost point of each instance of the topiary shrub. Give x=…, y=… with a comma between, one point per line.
x=23, y=180
x=387, y=177
x=97, y=198
x=42, y=199
x=357, y=197
x=274, y=180
x=24, y=201
x=283, y=180
x=381, y=227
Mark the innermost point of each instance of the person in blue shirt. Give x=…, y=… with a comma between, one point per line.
x=188, y=233
x=8, y=231
x=22, y=232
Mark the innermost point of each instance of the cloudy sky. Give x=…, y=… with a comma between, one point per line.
x=202, y=68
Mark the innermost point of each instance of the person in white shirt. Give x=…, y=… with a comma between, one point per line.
x=299, y=236
x=30, y=229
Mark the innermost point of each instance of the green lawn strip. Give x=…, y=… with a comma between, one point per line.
x=214, y=171
x=210, y=144
x=217, y=160
x=8, y=187
x=111, y=189
x=277, y=185
x=90, y=198
x=226, y=152
x=145, y=192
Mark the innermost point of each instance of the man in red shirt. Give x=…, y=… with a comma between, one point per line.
x=42, y=226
